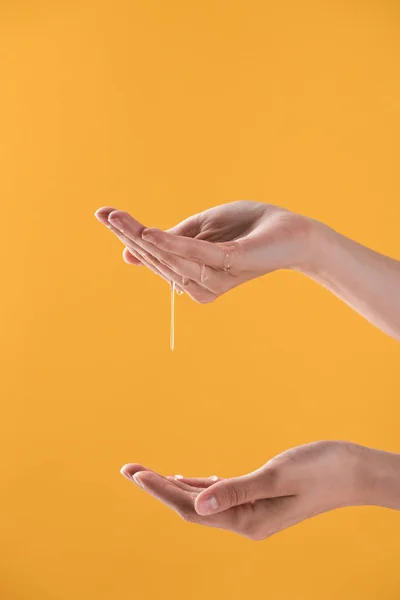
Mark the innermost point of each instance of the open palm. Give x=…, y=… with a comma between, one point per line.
x=218, y=249
x=299, y=483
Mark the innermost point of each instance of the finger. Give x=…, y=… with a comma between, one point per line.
x=171, y=266
x=168, y=493
x=114, y=219
x=198, y=482
x=215, y=281
x=151, y=264
x=184, y=486
x=130, y=259
x=225, y=494
x=193, y=289
x=221, y=256
x=102, y=214
x=182, y=502
x=192, y=485
x=125, y=227
x=256, y=520
x=145, y=258
x=120, y=222
x=126, y=224
x=128, y=230
x=130, y=469
x=196, y=291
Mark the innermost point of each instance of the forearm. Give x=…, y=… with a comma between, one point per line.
x=378, y=478
x=367, y=281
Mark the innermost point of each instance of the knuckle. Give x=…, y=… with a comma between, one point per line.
x=240, y=495
x=232, y=496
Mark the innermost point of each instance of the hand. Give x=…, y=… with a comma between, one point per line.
x=212, y=252
x=129, y=231
x=296, y=485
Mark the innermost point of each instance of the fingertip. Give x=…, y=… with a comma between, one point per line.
x=206, y=504
x=117, y=214
x=130, y=259
x=103, y=213
x=130, y=469
x=126, y=473
x=147, y=478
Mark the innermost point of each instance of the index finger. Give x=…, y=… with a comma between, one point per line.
x=203, y=252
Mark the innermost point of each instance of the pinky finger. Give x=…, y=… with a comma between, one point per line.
x=130, y=259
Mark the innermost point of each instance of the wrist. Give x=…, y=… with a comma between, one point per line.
x=378, y=478
x=322, y=245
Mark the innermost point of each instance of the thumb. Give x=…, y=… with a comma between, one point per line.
x=239, y=490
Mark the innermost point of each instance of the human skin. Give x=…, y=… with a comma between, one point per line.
x=210, y=253
x=217, y=250
x=296, y=485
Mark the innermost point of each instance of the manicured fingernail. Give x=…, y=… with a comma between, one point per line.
x=213, y=478
x=208, y=505
x=178, y=476
x=137, y=481
x=117, y=223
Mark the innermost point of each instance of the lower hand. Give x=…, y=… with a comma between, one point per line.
x=296, y=485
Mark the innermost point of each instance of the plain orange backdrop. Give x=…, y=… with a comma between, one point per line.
x=165, y=108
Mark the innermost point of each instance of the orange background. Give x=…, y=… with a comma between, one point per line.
x=165, y=109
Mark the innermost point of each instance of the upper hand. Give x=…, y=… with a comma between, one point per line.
x=218, y=249
x=296, y=485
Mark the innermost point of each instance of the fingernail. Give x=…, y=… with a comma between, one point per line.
x=208, y=505
x=213, y=478
x=178, y=476
x=117, y=224
x=137, y=481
